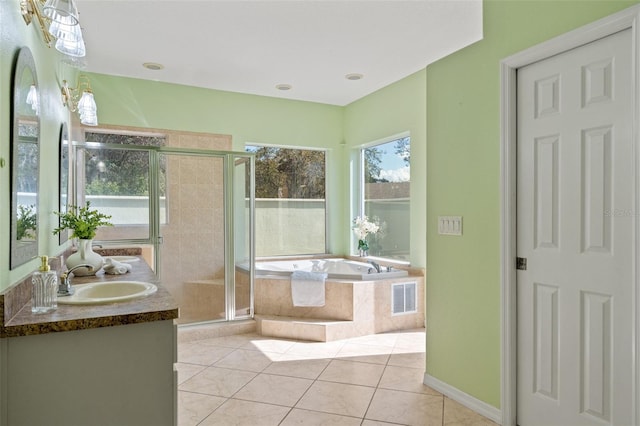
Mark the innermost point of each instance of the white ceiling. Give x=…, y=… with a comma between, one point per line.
x=251, y=46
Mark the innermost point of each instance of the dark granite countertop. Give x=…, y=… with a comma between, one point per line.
x=155, y=307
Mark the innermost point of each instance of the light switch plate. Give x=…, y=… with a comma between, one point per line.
x=450, y=225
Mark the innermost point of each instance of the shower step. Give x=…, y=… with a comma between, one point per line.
x=320, y=330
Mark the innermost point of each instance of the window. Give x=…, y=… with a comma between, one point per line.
x=386, y=195
x=290, y=201
x=117, y=182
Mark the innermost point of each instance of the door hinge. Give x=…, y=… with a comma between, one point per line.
x=521, y=263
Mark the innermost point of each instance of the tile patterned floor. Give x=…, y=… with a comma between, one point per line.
x=259, y=381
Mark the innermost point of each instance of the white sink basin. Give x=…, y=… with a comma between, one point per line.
x=108, y=292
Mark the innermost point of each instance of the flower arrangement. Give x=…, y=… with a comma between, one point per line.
x=362, y=227
x=83, y=221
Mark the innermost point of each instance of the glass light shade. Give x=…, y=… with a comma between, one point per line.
x=63, y=11
x=71, y=47
x=87, y=103
x=89, y=119
x=87, y=114
x=32, y=98
x=65, y=32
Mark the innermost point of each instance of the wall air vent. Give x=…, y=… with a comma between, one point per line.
x=403, y=298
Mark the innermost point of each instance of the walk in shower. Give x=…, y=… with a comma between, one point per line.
x=190, y=211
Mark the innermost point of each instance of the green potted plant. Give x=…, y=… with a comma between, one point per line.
x=83, y=221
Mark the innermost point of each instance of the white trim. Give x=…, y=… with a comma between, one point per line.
x=627, y=18
x=386, y=139
x=480, y=407
x=282, y=146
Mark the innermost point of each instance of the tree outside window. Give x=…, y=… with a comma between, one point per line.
x=290, y=200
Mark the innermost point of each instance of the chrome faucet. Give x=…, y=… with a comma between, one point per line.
x=65, y=288
x=375, y=265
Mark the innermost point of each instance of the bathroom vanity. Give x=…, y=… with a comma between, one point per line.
x=110, y=364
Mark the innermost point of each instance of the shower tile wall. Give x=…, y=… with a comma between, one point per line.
x=192, y=252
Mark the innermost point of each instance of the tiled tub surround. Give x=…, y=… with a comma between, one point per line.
x=98, y=365
x=352, y=308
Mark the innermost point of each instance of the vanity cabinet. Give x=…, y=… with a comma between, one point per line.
x=89, y=365
x=122, y=375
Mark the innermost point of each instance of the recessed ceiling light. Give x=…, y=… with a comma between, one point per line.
x=283, y=86
x=153, y=66
x=354, y=76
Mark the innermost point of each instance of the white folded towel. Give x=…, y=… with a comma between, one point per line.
x=115, y=268
x=307, y=288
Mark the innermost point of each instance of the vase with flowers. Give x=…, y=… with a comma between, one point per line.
x=362, y=227
x=83, y=223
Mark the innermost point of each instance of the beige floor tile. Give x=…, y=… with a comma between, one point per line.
x=316, y=349
x=410, y=359
x=314, y=418
x=383, y=339
x=198, y=353
x=218, y=381
x=297, y=366
x=233, y=341
x=355, y=373
x=271, y=389
x=337, y=398
x=253, y=380
x=242, y=359
x=406, y=408
x=246, y=413
x=412, y=340
x=398, y=349
x=269, y=345
x=456, y=414
x=187, y=371
x=405, y=379
x=364, y=353
x=193, y=407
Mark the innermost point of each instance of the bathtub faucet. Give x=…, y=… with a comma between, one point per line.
x=375, y=265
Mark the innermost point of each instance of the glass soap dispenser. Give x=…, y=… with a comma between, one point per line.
x=44, y=293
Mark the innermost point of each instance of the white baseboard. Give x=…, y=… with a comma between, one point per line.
x=480, y=407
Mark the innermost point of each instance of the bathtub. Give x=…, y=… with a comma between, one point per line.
x=336, y=268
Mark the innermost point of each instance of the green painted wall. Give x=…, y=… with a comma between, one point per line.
x=14, y=34
x=397, y=108
x=463, y=171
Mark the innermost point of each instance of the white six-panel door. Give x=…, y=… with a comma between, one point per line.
x=575, y=220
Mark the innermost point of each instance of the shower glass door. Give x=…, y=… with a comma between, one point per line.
x=198, y=234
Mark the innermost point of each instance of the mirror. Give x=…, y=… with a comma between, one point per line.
x=64, y=177
x=25, y=160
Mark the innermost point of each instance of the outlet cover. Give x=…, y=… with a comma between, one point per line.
x=450, y=225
